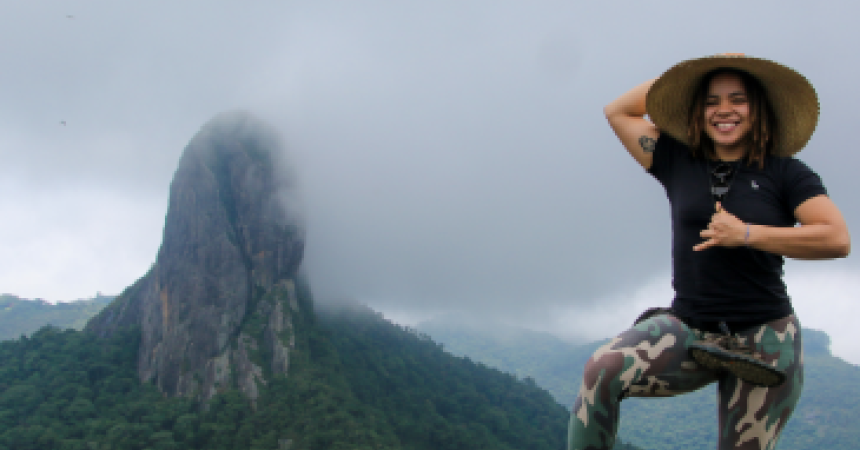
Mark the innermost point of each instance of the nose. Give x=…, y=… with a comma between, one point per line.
x=723, y=108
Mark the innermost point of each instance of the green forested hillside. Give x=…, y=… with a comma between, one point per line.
x=554, y=364
x=356, y=381
x=436, y=400
x=22, y=317
x=823, y=418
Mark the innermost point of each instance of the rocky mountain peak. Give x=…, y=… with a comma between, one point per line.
x=215, y=310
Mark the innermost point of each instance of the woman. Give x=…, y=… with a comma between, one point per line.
x=723, y=133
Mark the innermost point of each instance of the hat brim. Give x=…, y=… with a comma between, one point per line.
x=791, y=97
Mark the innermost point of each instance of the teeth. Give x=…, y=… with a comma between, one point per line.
x=725, y=126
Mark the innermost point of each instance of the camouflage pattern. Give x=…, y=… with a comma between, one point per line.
x=651, y=359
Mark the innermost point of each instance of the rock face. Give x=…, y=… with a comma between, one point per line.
x=216, y=308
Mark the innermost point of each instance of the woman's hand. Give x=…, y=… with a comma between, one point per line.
x=822, y=233
x=725, y=230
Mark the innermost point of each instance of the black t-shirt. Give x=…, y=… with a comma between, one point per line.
x=739, y=284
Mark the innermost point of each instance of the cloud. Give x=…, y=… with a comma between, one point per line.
x=825, y=298
x=453, y=156
x=78, y=231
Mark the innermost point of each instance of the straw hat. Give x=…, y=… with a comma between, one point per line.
x=789, y=93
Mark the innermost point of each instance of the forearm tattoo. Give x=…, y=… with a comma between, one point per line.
x=648, y=144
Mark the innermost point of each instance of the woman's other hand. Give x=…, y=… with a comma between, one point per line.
x=724, y=230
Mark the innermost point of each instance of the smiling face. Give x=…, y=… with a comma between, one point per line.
x=727, y=119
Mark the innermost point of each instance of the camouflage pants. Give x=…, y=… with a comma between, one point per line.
x=651, y=360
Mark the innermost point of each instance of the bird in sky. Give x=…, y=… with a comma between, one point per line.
x=63, y=122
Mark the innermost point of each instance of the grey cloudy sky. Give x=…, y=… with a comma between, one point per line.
x=453, y=154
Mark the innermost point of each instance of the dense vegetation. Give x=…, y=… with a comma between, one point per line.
x=554, y=364
x=823, y=418
x=356, y=381
x=435, y=400
x=22, y=317
x=359, y=378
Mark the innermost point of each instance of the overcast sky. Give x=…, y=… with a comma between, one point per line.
x=453, y=154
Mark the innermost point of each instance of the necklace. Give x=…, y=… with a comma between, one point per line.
x=721, y=178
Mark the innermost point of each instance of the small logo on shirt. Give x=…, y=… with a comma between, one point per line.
x=754, y=184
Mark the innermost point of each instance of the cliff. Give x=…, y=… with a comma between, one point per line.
x=215, y=309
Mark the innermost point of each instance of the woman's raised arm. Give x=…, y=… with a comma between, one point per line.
x=626, y=116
